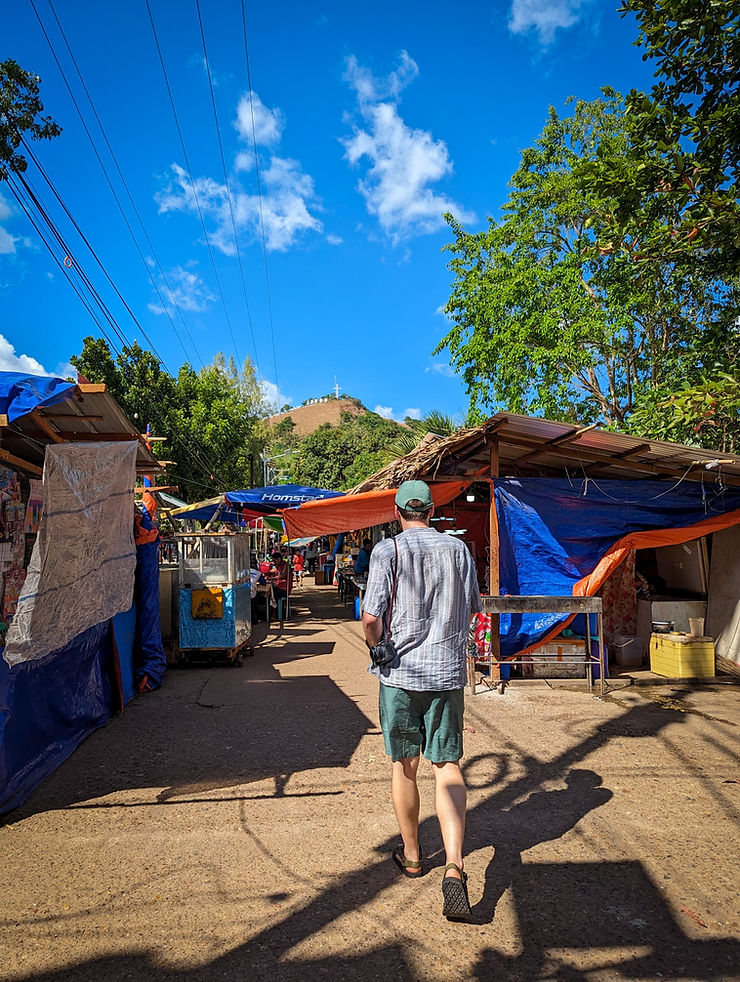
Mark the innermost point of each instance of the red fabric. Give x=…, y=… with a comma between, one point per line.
x=351, y=512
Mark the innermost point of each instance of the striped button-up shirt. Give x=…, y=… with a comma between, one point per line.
x=436, y=594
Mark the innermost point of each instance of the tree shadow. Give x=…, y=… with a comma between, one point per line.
x=589, y=907
x=211, y=730
x=542, y=817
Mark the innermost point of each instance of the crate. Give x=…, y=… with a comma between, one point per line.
x=564, y=658
x=677, y=656
x=319, y=577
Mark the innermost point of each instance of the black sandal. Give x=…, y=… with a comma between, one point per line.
x=411, y=869
x=455, y=892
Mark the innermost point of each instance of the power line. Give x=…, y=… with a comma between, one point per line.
x=67, y=272
x=108, y=180
x=190, y=176
x=133, y=205
x=200, y=460
x=259, y=195
x=226, y=180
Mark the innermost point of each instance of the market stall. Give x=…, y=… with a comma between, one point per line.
x=556, y=509
x=214, y=602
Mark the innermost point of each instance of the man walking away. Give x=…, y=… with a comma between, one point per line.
x=421, y=691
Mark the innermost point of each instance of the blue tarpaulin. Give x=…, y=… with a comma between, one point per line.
x=149, y=656
x=553, y=533
x=266, y=500
x=21, y=394
x=47, y=708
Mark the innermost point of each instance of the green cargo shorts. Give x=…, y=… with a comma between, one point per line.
x=422, y=722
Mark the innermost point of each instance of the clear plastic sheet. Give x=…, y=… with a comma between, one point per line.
x=82, y=568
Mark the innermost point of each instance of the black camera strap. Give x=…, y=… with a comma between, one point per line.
x=393, y=592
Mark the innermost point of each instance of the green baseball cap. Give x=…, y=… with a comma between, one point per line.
x=414, y=491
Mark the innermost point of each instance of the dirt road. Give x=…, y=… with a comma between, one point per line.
x=237, y=825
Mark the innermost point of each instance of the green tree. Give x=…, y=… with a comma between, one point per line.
x=676, y=199
x=415, y=430
x=545, y=323
x=211, y=418
x=20, y=116
x=338, y=457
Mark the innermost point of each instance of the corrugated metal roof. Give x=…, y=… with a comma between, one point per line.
x=90, y=414
x=530, y=446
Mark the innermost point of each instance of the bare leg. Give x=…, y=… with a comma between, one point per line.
x=405, y=794
x=451, y=798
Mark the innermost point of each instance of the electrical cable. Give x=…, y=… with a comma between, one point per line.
x=27, y=211
x=190, y=176
x=133, y=205
x=259, y=196
x=200, y=460
x=228, y=186
x=110, y=185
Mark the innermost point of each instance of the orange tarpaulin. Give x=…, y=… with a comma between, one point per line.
x=329, y=516
x=589, y=585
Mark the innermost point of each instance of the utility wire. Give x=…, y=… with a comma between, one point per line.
x=133, y=205
x=55, y=256
x=152, y=408
x=259, y=195
x=110, y=185
x=190, y=176
x=228, y=186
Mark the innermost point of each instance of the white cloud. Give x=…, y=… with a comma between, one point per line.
x=268, y=123
x=385, y=411
x=403, y=162
x=182, y=289
x=288, y=194
x=7, y=241
x=274, y=398
x=334, y=239
x=440, y=368
x=545, y=17
x=412, y=414
x=11, y=362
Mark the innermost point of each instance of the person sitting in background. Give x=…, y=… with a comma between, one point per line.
x=280, y=575
x=363, y=558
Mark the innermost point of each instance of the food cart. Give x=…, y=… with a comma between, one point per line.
x=214, y=600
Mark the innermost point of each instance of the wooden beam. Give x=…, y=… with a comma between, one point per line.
x=46, y=426
x=493, y=567
x=4, y=420
x=14, y=461
x=50, y=414
x=91, y=388
x=557, y=442
x=86, y=435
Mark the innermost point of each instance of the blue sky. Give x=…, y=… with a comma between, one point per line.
x=370, y=120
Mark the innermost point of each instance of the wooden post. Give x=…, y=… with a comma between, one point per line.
x=493, y=578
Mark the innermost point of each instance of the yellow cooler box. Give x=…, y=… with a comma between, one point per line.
x=679, y=656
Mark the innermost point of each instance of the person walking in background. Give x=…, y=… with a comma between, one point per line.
x=423, y=591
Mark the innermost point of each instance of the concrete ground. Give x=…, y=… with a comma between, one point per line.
x=237, y=825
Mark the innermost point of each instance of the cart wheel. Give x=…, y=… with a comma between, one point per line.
x=250, y=651
x=238, y=661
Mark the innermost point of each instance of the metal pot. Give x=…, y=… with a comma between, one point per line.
x=662, y=627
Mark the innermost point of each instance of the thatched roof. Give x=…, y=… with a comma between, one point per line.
x=531, y=447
